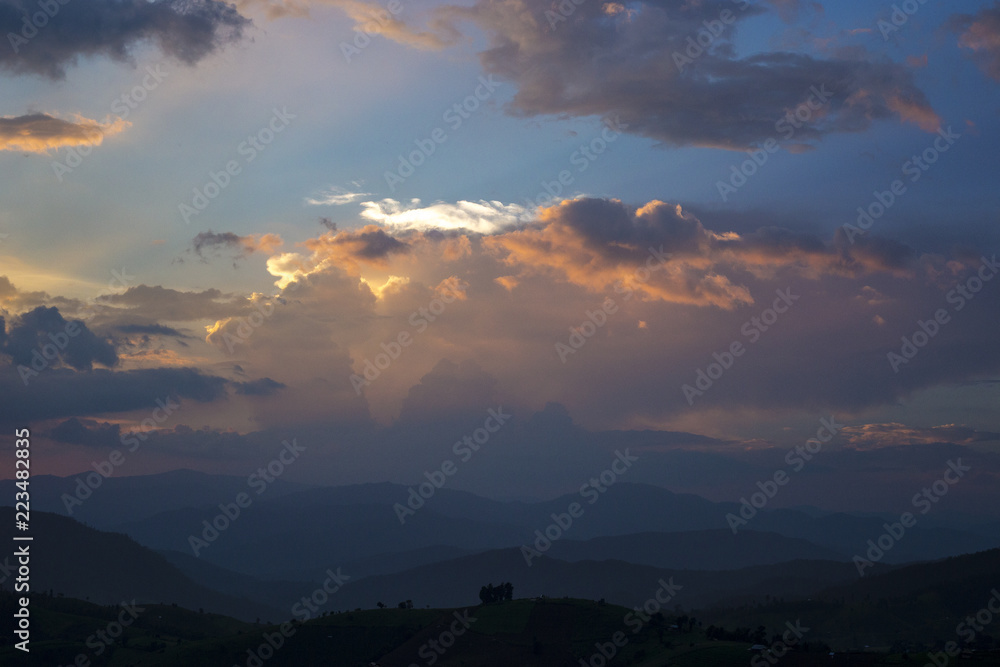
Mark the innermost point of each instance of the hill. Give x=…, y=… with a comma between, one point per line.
x=74, y=560
x=694, y=550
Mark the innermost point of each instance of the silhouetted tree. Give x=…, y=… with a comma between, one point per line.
x=490, y=593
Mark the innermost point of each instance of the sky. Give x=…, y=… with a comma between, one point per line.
x=694, y=227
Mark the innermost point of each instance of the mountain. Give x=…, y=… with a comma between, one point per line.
x=274, y=594
x=913, y=606
x=117, y=500
x=295, y=533
x=694, y=550
x=72, y=559
x=301, y=542
x=457, y=582
x=324, y=527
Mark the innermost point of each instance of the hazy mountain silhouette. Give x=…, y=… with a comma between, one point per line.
x=108, y=568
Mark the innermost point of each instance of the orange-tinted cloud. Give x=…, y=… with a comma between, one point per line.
x=369, y=17
x=209, y=244
x=41, y=133
x=603, y=245
x=980, y=34
x=350, y=250
x=876, y=436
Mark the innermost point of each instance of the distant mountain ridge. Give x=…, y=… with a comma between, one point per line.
x=292, y=532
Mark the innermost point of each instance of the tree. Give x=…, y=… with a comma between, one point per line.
x=490, y=593
x=380, y=605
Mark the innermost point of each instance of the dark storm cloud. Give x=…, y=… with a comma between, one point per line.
x=150, y=330
x=86, y=432
x=874, y=252
x=179, y=440
x=210, y=244
x=209, y=239
x=46, y=43
x=77, y=346
x=635, y=64
x=60, y=393
x=261, y=387
x=609, y=225
x=372, y=243
x=164, y=304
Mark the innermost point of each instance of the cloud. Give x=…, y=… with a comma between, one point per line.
x=150, y=330
x=449, y=389
x=261, y=387
x=209, y=244
x=303, y=344
x=373, y=19
x=980, y=34
x=61, y=393
x=186, y=30
x=369, y=17
x=16, y=300
x=482, y=217
x=349, y=250
x=87, y=432
x=46, y=327
x=180, y=440
x=347, y=296
x=631, y=66
x=787, y=9
x=336, y=197
x=40, y=133
x=159, y=304
x=604, y=245
x=876, y=436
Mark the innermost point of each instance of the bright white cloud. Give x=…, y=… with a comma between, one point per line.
x=483, y=217
x=335, y=196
